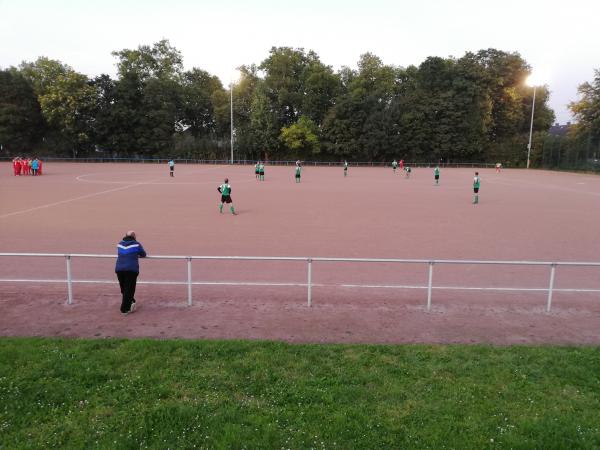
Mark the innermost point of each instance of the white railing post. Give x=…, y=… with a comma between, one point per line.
x=309, y=283
x=429, y=285
x=69, y=281
x=189, y=280
x=551, y=286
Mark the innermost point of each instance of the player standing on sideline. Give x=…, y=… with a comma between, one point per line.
x=436, y=175
x=256, y=172
x=498, y=167
x=476, y=184
x=298, y=171
x=394, y=165
x=345, y=168
x=225, y=190
x=171, y=167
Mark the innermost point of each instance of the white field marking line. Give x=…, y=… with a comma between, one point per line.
x=137, y=172
x=260, y=283
x=48, y=205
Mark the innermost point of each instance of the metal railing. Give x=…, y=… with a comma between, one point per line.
x=309, y=283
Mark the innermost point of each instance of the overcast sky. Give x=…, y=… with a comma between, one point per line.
x=560, y=39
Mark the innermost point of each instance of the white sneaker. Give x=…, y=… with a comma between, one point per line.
x=132, y=308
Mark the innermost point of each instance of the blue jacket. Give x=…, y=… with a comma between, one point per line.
x=128, y=251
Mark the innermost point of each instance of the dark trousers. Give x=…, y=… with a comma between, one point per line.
x=127, y=282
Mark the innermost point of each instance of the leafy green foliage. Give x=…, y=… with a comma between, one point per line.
x=21, y=122
x=587, y=109
x=474, y=108
x=301, y=137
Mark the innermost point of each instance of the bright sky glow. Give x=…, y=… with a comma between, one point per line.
x=218, y=36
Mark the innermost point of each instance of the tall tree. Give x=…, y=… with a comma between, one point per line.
x=587, y=109
x=43, y=73
x=162, y=60
x=198, y=102
x=66, y=99
x=148, y=101
x=68, y=104
x=360, y=125
x=21, y=122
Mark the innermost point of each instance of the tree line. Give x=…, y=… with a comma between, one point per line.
x=580, y=147
x=290, y=106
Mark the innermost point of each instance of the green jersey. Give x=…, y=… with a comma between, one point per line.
x=298, y=170
x=256, y=167
x=476, y=182
x=225, y=189
x=261, y=167
x=436, y=171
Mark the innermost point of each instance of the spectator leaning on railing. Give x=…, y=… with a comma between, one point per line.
x=128, y=269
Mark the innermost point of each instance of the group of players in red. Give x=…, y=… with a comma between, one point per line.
x=27, y=166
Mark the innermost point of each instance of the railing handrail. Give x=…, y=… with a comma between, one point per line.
x=309, y=260
x=323, y=259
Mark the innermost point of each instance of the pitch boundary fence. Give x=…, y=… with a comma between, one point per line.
x=430, y=264
x=243, y=162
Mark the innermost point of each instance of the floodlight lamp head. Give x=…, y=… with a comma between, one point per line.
x=535, y=79
x=234, y=77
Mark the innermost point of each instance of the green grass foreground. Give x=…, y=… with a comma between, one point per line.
x=58, y=393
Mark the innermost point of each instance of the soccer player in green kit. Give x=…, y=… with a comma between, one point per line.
x=256, y=170
x=436, y=175
x=476, y=184
x=394, y=165
x=225, y=190
x=261, y=172
x=298, y=172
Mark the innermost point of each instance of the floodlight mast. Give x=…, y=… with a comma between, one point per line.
x=231, y=109
x=531, y=127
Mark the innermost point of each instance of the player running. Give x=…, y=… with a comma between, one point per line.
x=394, y=165
x=436, y=175
x=476, y=184
x=407, y=171
x=225, y=190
